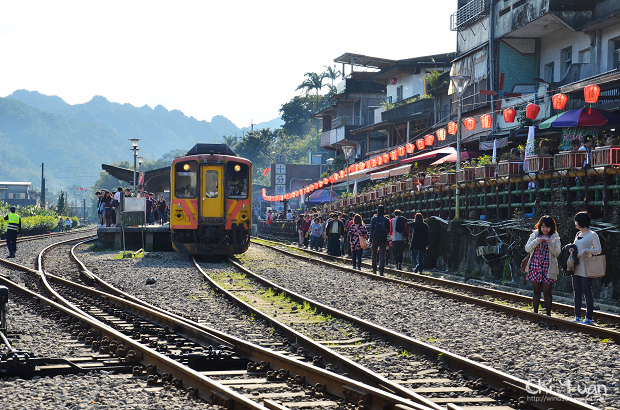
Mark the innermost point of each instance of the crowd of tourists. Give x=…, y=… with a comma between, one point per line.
x=385, y=238
x=109, y=206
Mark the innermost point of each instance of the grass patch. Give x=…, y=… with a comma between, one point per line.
x=129, y=255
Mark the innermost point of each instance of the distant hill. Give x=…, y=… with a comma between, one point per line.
x=96, y=132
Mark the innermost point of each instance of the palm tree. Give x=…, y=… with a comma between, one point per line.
x=312, y=82
x=331, y=73
x=230, y=141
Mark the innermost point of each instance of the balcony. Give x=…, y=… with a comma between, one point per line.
x=401, y=112
x=469, y=14
x=347, y=120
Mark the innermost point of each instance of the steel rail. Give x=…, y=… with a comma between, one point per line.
x=207, y=388
x=383, y=391
x=598, y=331
x=495, y=378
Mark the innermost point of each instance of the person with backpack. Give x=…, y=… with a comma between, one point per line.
x=419, y=242
x=379, y=229
x=399, y=234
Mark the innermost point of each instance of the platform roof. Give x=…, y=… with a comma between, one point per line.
x=365, y=61
x=155, y=180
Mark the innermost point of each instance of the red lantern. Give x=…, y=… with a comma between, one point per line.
x=509, y=114
x=453, y=128
x=352, y=169
x=531, y=111
x=559, y=101
x=470, y=123
x=373, y=162
x=332, y=179
x=393, y=155
x=379, y=159
x=361, y=166
x=486, y=121
x=401, y=151
x=420, y=143
x=325, y=181
x=410, y=148
x=316, y=185
x=386, y=158
x=441, y=134
x=393, y=80
x=429, y=139
x=321, y=184
x=342, y=173
x=336, y=176
x=369, y=164
x=591, y=93
x=281, y=198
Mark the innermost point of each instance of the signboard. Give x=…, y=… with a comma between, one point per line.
x=280, y=158
x=280, y=179
x=280, y=189
x=281, y=169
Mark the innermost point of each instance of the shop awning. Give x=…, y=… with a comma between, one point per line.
x=390, y=172
x=430, y=155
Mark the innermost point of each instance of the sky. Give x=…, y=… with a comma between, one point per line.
x=240, y=59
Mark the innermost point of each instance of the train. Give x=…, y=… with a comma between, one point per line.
x=210, y=201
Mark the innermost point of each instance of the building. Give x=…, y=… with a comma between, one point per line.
x=17, y=193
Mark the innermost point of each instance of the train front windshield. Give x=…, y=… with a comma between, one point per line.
x=238, y=180
x=185, y=179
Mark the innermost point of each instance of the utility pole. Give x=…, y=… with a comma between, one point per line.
x=43, y=185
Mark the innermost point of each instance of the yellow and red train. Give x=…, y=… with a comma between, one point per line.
x=210, y=201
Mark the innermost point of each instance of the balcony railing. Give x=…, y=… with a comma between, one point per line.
x=469, y=14
x=347, y=120
x=405, y=110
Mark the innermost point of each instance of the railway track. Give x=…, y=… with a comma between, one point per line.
x=607, y=328
x=191, y=344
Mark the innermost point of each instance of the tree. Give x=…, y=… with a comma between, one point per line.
x=331, y=73
x=259, y=147
x=313, y=82
x=297, y=115
x=61, y=209
x=230, y=140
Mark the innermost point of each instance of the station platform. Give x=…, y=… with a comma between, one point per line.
x=149, y=237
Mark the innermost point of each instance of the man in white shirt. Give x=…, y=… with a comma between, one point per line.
x=289, y=215
x=117, y=205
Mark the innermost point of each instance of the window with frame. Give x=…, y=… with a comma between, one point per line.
x=615, y=54
x=238, y=180
x=399, y=93
x=185, y=178
x=550, y=72
x=567, y=59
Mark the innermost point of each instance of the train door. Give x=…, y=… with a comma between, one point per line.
x=212, y=192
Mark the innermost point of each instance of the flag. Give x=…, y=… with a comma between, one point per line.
x=355, y=188
x=494, y=151
x=268, y=169
x=529, y=146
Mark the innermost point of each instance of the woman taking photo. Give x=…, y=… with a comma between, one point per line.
x=357, y=229
x=588, y=244
x=544, y=247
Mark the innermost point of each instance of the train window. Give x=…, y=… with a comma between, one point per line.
x=238, y=179
x=185, y=179
x=211, y=184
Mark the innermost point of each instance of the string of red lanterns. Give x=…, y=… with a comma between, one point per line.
x=591, y=95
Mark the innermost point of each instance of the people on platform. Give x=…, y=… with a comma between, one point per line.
x=116, y=204
x=334, y=230
x=67, y=224
x=305, y=229
x=162, y=209
x=13, y=230
x=542, y=269
x=587, y=145
x=588, y=244
x=61, y=224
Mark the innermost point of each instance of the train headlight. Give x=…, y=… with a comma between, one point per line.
x=237, y=168
x=185, y=167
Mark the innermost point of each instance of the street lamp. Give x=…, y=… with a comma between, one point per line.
x=135, y=149
x=348, y=154
x=459, y=83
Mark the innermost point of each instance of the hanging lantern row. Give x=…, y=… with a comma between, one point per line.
x=591, y=94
